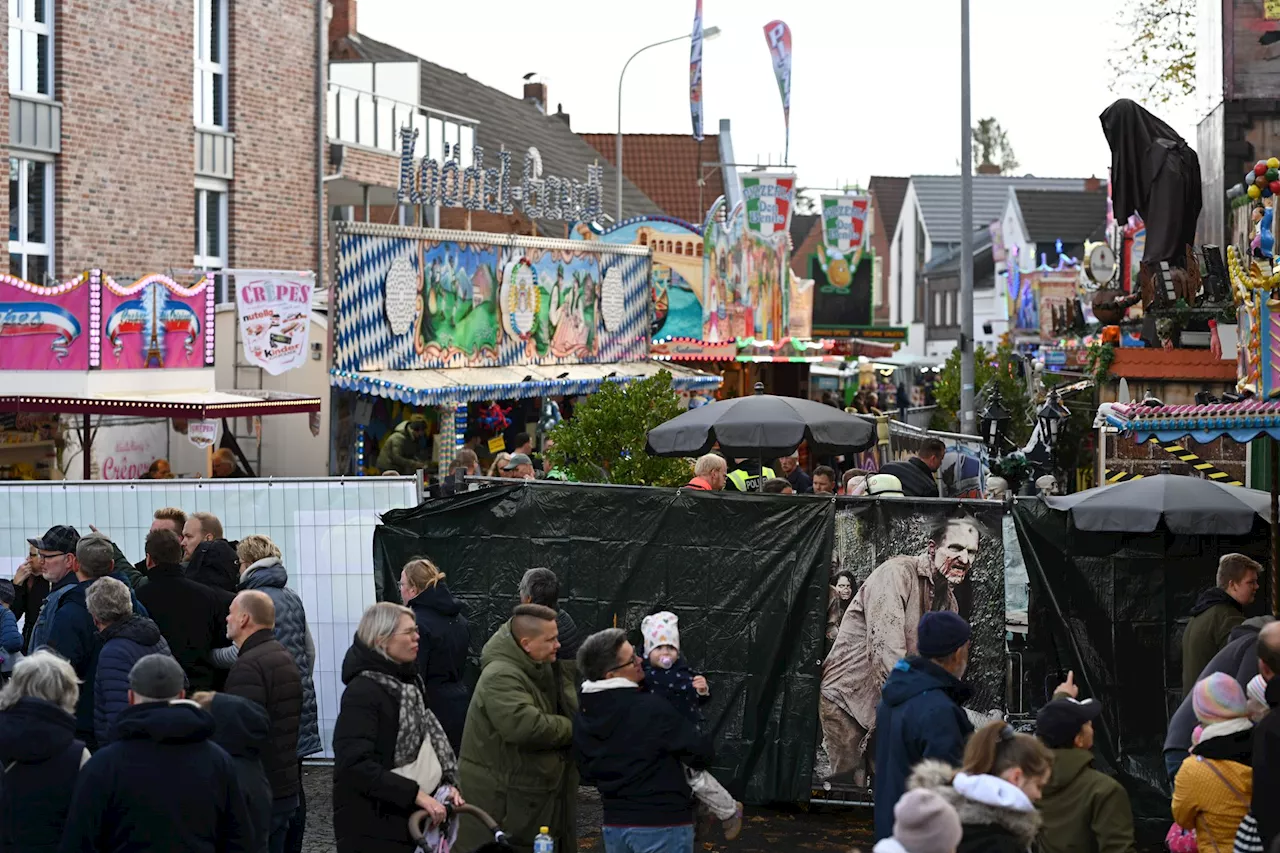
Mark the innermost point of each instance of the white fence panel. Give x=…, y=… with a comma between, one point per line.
x=323, y=526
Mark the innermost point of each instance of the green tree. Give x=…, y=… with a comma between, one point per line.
x=1005, y=368
x=1158, y=57
x=991, y=147
x=605, y=438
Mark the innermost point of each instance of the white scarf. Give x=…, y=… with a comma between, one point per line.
x=993, y=791
x=1226, y=727
x=615, y=683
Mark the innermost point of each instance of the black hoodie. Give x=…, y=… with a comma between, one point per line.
x=631, y=745
x=215, y=564
x=41, y=759
x=163, y=785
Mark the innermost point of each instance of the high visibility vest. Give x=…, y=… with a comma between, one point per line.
x=746, y=483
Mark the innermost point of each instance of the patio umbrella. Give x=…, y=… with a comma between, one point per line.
x=761, y=426
x=1186, y=505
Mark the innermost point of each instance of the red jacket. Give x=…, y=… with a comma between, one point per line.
x=701, y=484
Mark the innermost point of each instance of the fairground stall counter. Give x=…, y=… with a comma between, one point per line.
x=99, y=379
x=483, y=335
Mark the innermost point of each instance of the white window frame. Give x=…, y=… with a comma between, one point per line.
x=209, y=64
x=212, y=257
x=21, y=246
x=22, y=19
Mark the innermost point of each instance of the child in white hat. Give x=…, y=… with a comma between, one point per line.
x=667, y=674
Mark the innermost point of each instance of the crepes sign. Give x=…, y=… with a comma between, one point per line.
x=275, y=319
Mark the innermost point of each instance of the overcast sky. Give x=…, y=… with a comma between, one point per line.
x=875, y=85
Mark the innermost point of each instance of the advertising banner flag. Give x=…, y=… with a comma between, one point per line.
x=695, y=72
x=778, y=35
x=844, y=228
x=769, y=197
x=275, y=319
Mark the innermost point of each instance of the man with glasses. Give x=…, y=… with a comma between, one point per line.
x=56, y=563
x=633, y=745
x=29, y=591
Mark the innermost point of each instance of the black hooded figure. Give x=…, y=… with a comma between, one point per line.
x=1155, y=173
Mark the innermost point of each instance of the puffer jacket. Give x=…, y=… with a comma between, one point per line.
x=265, y=673
x=442, y=653
x=515, y=761
x=1213, y=803
x=269, y=576
x=41, y=759
x=123, y=644
x=990, y=825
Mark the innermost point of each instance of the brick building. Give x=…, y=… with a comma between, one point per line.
x=150, y=136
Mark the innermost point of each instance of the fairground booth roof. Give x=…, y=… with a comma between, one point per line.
x=1242, y=421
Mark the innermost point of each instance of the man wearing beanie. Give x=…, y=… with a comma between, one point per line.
x=162, y=784
x=920, y=714
x=1082, y=809
x=923, y=822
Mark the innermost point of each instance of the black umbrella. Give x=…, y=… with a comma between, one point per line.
x=762, y=426
x=1187, y=505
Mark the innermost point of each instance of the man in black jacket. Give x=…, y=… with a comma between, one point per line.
x=266, y=673
x=1266, y=741
x=633, y=745
x=162, y=784
x=211, y=560
x=191, y=615
x=917, y=473
x=29, y=591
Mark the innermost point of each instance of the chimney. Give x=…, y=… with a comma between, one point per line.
x=536, y=93
x=562, y=115
x=1092, y=184
x=343, y=23
x=988, y=169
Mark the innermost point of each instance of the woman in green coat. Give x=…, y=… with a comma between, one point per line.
x=515, y=762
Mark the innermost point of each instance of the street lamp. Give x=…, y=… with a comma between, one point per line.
x=995, y=417
x=1052, y=416
x=707, y=35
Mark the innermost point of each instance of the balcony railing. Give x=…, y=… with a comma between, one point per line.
x=374, y=121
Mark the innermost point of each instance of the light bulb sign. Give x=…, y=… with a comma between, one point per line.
x=495, y=189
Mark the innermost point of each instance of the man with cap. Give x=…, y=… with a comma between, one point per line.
x=162, y=784
x=406, y=449
x=1082, y=808
x=923, y=822
x=878, y=629
x=518, y=467
x=921, y=713
x=56, y=553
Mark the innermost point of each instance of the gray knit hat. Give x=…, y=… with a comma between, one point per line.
x=923, y=822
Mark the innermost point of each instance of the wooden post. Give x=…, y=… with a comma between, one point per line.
x=86, y=450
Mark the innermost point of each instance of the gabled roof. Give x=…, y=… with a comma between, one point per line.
x=666, y=167
x=939, y=198
x=513, y=123
x=889, y=195
x=1072, y=217
x=948, y=263
x=801, y=226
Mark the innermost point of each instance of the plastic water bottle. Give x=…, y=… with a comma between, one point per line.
x=543, y=842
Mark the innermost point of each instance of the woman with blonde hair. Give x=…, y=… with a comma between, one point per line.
x=996, y=790
x=39, y=754
x=391, y=756
x=442, y=643
x=495, y=468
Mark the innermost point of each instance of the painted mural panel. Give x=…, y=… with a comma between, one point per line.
x=746, y=283
x=44, y=328
x=156, y=322
x=433, y=301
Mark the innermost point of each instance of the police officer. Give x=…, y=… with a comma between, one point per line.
x=749, y=475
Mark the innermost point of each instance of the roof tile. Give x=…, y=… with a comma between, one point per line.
x=666, y=167
x=1171, y=364
x=1072, y=217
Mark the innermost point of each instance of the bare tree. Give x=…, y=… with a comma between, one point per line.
x=991, y=147
x=1159, y=58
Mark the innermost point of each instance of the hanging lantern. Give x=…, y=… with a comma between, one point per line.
x=995, y=420
x=1052, y=416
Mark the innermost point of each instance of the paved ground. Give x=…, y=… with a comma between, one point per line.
x=833, y=829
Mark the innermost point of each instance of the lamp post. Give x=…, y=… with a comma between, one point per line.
x=707, y=34
x=1052, y=416
x=995, y=418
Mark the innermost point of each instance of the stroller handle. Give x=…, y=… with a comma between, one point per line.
x=418, y=821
